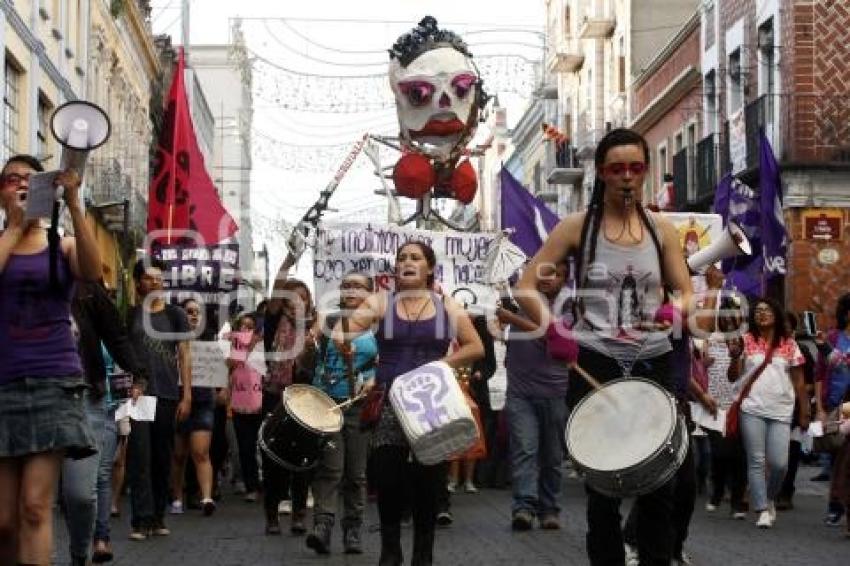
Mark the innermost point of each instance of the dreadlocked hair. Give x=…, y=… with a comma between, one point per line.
x=596, y=208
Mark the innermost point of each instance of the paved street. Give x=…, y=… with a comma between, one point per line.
x=481, y=536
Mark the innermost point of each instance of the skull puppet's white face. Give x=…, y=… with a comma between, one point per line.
x=435, y=97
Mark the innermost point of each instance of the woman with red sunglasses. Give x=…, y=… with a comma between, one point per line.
x=625, y=257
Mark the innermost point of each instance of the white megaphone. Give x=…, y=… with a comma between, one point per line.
x=80, y=127
x=734, y=242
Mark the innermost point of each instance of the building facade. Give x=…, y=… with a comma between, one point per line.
x=667, y=110
x=56, y=51
x=781, y=66
x=497, y=148
x=122, y=68
x=596, y=50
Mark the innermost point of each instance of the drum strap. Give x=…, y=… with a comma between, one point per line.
x=349, y=360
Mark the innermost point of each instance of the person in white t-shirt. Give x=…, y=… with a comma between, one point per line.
x=769, y=357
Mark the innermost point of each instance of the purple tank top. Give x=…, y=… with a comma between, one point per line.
x=35, y=323
x=406, y=344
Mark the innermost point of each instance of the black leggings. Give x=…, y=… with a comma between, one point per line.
x=401, y=483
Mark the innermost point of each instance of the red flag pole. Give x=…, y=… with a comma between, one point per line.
x=173, y=178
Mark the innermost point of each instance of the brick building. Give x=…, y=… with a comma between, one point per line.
x=667, y=111
x=783, y=65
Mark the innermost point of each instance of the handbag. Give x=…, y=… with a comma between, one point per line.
x=832, y=438
x=733, y=415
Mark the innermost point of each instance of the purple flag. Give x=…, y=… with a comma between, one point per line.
x=773, y=233
x=744, y=273
x=530, y=219
x=722, y=194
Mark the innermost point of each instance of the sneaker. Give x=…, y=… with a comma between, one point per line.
x=764, y=521
x=452, y=487
x=833, y=519
x=296, y=525
x=523, y=520
x=208, y=506
x=632, y=558
x=351, y=541
x=272, y=524
x=710, y=507
x=160, y=530
x=176, y=507
x=550, y=523
x=138, y=535
x=320, y=539
x=250, y=497
x=284, y=507
x=445, y=518
x=739, y=515
x=102, y=552
x=469, y=487
x=771, y=510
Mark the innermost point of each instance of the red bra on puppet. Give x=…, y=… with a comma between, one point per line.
x=414, y=175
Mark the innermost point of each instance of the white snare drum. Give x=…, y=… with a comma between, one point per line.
x=433, y=413
x=627, y=438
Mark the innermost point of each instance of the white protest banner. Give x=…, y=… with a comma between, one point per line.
x=208, y=367
x=368, y=248
x=696, y=231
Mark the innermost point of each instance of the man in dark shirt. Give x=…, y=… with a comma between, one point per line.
x=160, y=334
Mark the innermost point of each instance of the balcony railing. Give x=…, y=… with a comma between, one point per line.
x=757, y=115
x=706, y=167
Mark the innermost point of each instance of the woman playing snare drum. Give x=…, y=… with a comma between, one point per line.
x=414, y=327
x=624, y=258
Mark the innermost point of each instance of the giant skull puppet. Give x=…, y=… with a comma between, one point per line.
x=439, y=98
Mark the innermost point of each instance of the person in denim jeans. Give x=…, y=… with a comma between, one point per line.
x=86, y=483
x=537, y=413
x=769, y=359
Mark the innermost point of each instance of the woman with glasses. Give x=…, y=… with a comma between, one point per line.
x=624, y=259
x=42, y=388
x=767, y=367
x=343, y=464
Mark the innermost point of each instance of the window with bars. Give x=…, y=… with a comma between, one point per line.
x=43, y=133
x=11, y=110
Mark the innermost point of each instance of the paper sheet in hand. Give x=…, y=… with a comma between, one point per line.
x=144, y=409
x=815, y=429
x=704, y=419
x=41, y=195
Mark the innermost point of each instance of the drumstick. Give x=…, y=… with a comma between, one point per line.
x=345, y=404
x=593, y=382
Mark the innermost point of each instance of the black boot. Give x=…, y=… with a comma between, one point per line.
x=423, y=547
x=320, y=539
x=391, y=546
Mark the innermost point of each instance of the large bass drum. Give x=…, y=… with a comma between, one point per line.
x=296, y=432
x=627, y=438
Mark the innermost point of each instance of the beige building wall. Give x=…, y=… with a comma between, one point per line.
x=596, y=49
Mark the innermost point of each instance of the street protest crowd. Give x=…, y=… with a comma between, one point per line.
x=71, y=363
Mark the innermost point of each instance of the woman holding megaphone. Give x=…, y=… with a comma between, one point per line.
x=42, y=388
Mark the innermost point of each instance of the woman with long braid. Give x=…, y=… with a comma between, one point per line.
x=614, y=242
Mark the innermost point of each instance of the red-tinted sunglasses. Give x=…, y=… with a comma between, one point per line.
x=635, y=168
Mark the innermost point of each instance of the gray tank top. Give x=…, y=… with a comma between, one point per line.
x=622, y=288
